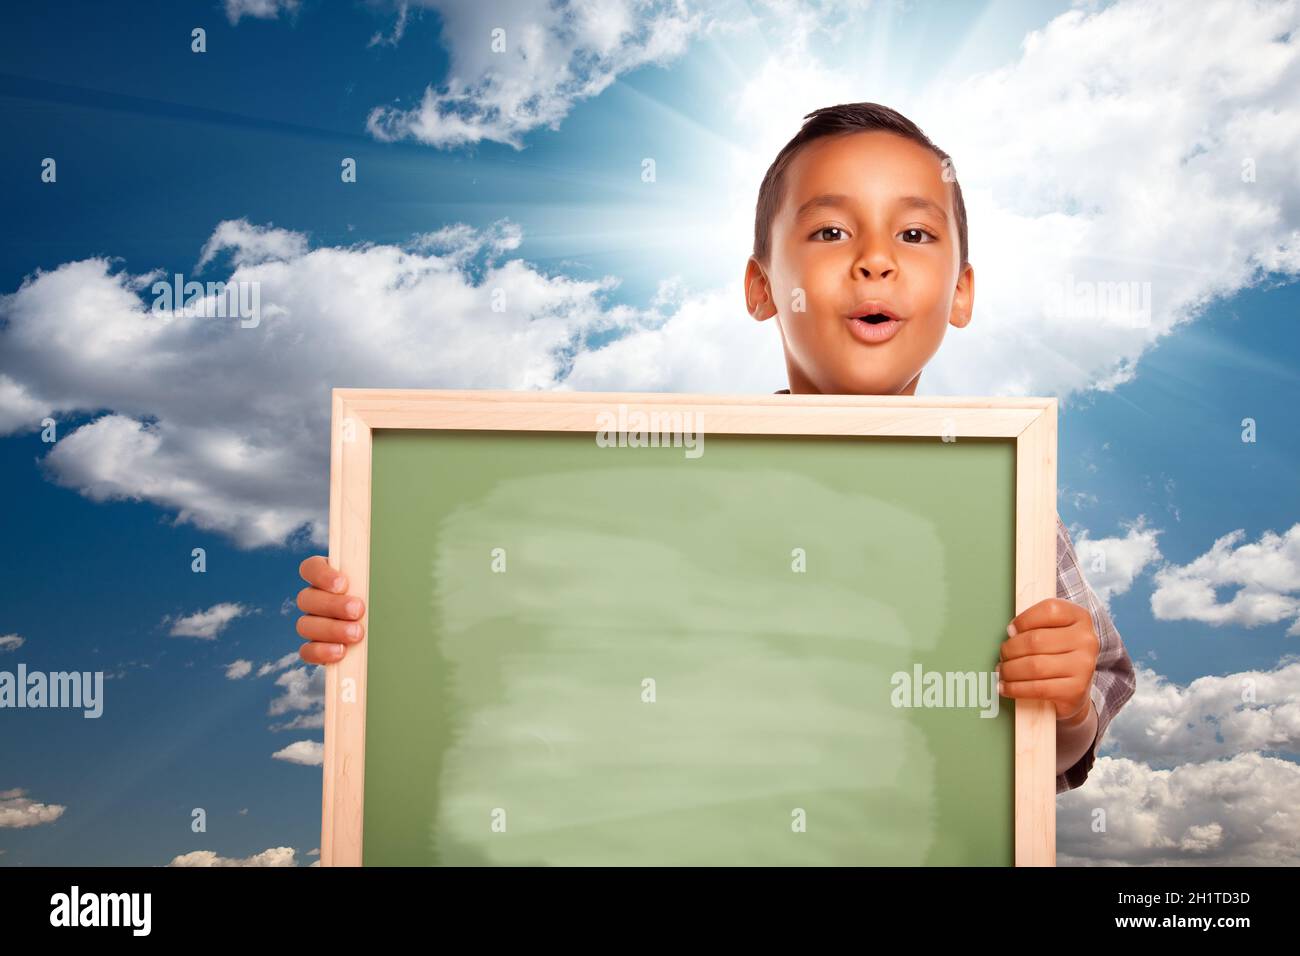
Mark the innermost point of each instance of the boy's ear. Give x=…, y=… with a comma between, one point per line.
x=963, y=301
x=758, y=292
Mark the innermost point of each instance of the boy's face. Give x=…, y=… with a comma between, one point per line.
x=888, y=244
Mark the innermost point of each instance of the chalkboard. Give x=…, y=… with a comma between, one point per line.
x=765, y=649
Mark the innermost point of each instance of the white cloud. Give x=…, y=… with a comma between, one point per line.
x=399, y=27
x=238, y=669
x=303, y=689
x=207, y=624
x=1083, y=163
x=11, y=642
x=1264, y=575
x=275, y=856
x=1078, y=499
x=18, y=409
x=707, y=345
x=206, y=473
x=550, y=57
x=252, y=245
x=309, y=753
x=1165, y=723
x=458, y=244
x=227, y=426
x=1189, y=776
x=20, y=812
x=1111, y=564
x=278, y=665
x=309, y=721
x=258, y=9
x=1234, y=812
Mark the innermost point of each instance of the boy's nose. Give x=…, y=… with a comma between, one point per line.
x=880, y=272
x=875, y=261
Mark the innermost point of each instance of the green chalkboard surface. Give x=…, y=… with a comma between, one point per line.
x=628, y=656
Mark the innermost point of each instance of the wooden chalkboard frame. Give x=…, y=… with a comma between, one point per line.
x=1031, y=422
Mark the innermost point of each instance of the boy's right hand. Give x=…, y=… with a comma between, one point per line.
x=331, y=620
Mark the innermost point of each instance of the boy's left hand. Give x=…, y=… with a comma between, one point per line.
x=1051, y=655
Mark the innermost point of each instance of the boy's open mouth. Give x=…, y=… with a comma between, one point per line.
x=873, y=323
x=874, y=311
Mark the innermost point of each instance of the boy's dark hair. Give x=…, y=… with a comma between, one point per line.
x=833, y=121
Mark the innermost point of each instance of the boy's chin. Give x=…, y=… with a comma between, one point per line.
x=872, y=382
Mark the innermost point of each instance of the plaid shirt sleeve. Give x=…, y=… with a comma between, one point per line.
x=1113, y=682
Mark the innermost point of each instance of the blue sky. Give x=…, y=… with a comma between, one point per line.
x=1078, y=159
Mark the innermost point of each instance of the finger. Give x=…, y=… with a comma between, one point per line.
x=314, y=653
x=318, y=572
x=329, y=631
x=1041, y=640
x=1053, y=688
x=1044, y=666
x=342, y=607
x=1051, y=612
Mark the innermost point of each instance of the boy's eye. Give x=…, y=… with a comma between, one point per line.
x=915, y=236
x=825, y=229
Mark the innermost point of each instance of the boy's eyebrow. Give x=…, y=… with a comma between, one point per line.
x=825, y=199
x=923, y=204
x=842, y=201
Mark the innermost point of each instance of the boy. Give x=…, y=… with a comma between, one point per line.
x=861, y=256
